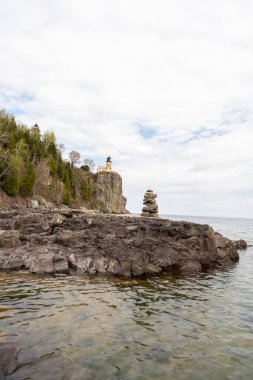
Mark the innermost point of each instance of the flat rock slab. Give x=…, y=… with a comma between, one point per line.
x=8, y=358
x=70, y=240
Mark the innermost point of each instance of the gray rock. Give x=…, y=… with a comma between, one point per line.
x=49, y=205
x=64, y=207
x=8, y=358
x=149, y=201
x=150, y=196
x=32, y=203
x=57, y=220
x=150, y=208
x=47, y=242
x=149, y=214
x=41, y=200
x=9, y=239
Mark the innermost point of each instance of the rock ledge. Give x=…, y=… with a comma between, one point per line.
x=61, y=242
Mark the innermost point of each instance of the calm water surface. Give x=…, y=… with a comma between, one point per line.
x=195, y=327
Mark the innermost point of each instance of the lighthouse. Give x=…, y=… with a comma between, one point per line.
x=107, y=167
x=108, y=164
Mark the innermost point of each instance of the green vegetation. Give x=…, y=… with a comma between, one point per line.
x=85, y=191
x=28, y=180
x=11, y=179
x=28, y=158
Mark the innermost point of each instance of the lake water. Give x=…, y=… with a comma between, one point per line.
x=79, y=328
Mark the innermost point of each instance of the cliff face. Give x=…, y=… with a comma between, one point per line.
x=108, y=193
x=103, y=191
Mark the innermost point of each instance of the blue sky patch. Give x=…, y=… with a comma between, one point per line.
x=14, y=104
x=203, y=133
x=146, y=132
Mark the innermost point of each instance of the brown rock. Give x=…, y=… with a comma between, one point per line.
x=241, y=244
x=118, y=245
x=151, y=208
x=9, y=239
x=150, y=196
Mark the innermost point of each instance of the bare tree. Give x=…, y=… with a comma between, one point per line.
x=90, y=163
x=74, y=157
x=61, y=148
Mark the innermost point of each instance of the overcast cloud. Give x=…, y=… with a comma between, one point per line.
x=165, y=87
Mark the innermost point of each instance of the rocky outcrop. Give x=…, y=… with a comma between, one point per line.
x=150, y=208
x=241, y=244
x=108, y=193
x=47, y=242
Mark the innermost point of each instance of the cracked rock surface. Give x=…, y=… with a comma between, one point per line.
x=43, y=241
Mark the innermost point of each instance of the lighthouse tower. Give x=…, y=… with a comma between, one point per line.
x=107, y=167
x=108, y=164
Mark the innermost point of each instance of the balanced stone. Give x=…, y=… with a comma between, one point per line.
x=150, y=208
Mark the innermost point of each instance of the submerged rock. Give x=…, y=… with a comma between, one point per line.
x=8, y=358
x=241, y=244
x=69, y=240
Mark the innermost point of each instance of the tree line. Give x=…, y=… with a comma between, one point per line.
x=21, y=150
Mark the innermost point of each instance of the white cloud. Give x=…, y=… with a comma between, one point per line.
x=96, y=72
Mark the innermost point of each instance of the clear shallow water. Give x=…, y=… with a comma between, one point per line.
x=195, y=327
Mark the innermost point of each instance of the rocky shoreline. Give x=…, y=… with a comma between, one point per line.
x=65, y=241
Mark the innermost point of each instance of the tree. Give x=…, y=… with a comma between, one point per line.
x=11, y=181
x=90, y=163
x=67, y=198
x=74, y=157
x=28, y=180
x=35, y=131
x=61, y=148
x=85, y=192
x=48, y=139
x=85, y=168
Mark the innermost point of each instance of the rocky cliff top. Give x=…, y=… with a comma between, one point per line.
x=66, y=241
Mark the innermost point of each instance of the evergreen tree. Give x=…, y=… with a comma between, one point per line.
x=11, y=181
x=67, y=198
x=85, y=190
x=28, y=180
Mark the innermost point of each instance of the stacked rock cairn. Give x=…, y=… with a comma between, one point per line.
x=150, y=208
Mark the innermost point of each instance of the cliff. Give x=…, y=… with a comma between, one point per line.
x=108, y=193
x=100, y=191
x=32, y=167
x=72, y=241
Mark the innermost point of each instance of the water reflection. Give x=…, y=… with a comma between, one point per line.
x=181, y=327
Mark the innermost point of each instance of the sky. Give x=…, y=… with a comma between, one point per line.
x=164, y=87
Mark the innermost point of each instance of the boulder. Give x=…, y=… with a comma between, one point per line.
x=41, y=200
x=241, y=244
x=32, y=203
